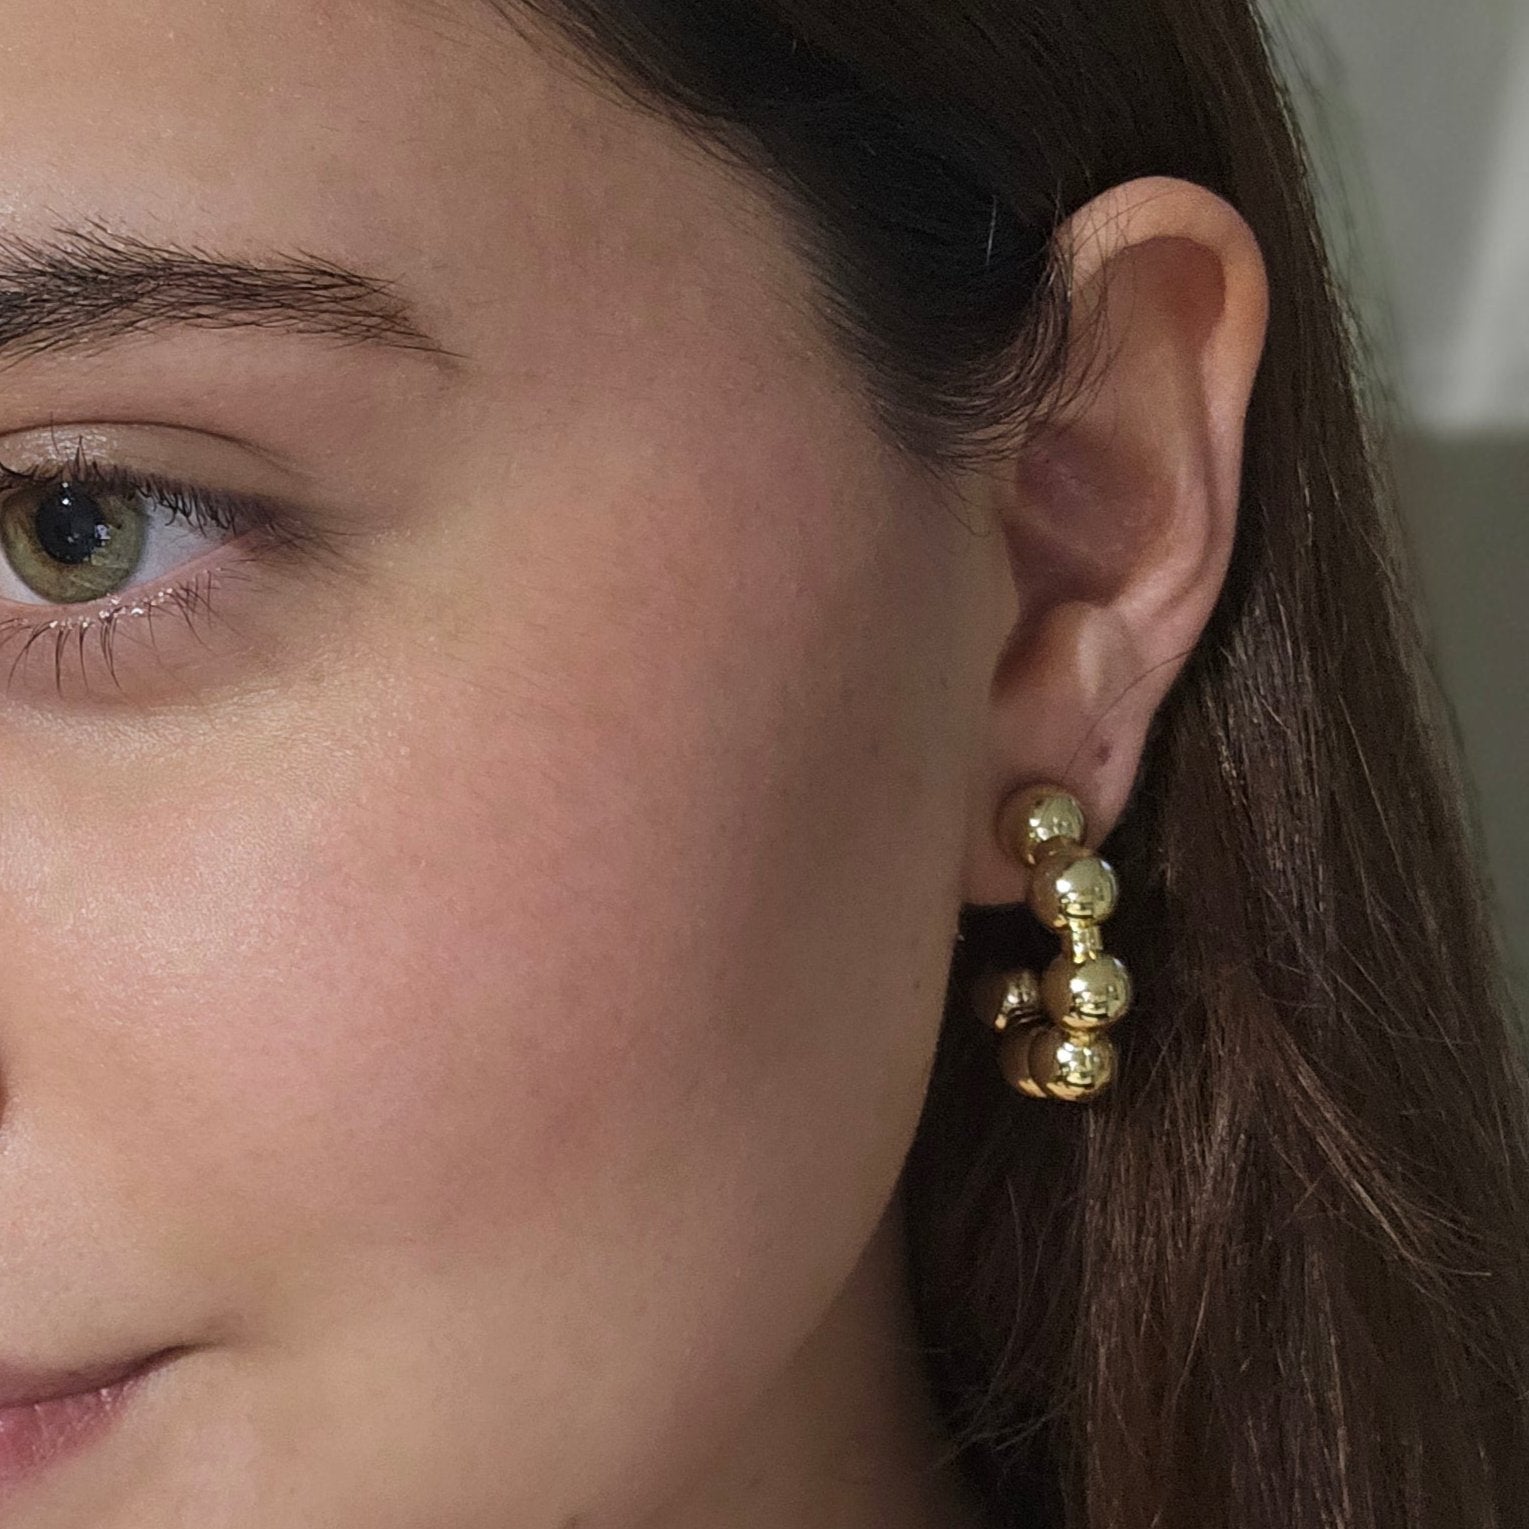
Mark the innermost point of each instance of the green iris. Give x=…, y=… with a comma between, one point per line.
x=70, y=545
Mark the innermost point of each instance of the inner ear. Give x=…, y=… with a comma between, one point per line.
x=1100, y=486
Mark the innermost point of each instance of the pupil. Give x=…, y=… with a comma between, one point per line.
x=71, y=527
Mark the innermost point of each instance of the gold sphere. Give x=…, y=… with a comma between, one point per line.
x=1036, y=816
x=1071, y=1067
x=1014, y=1058
x=1005, y=998
x=1071, y=884
x=1086, y=994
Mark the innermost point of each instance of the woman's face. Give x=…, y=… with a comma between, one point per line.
x=472, y=954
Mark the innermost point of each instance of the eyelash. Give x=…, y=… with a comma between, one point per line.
x=274, y=527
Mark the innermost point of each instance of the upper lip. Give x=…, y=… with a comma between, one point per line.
x=26, y=1388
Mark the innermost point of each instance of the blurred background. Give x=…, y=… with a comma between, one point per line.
x=1417, y=112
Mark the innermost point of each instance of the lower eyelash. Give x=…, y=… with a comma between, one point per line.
x=193, y=600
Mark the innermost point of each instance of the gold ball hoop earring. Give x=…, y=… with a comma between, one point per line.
x=1053, y=1026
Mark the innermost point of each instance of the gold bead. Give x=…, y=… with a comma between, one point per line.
x=1003, y=999
x=1014, y=1059
x=1071, y=884
x=1037, y=816
x=1071, y=1067
x=1086, y=994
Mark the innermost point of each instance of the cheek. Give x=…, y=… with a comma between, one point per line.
x=556, y=973
x=619, y=885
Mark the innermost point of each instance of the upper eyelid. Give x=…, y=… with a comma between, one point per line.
x=110, y=477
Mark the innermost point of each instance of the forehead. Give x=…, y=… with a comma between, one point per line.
x=241, y=106
x=420, y=140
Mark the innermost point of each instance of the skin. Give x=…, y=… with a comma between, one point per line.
x=476, y=992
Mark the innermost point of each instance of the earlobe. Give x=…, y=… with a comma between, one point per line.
x=1118, y=519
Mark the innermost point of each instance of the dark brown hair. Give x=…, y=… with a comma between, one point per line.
x=1278, y=1278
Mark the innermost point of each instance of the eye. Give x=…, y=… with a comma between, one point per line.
x=92, y=552
x=67, y=542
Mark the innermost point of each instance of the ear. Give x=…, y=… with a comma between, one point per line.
x=1119, y=517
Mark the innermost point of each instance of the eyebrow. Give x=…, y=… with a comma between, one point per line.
x=83, y=287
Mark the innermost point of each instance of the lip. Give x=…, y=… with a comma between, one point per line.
x=45, y=1417
x=29, y=1388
